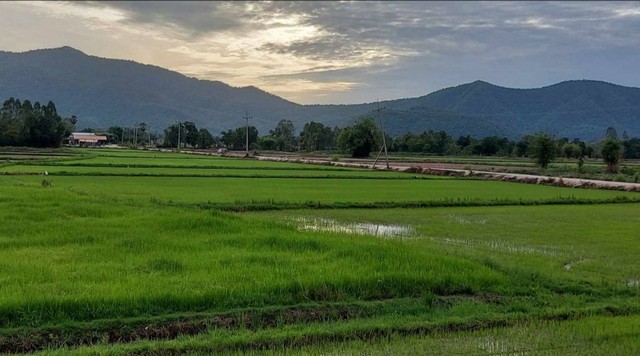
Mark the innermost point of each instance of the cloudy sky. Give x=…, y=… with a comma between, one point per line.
x=346, y=52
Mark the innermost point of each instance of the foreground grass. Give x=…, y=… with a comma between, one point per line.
x=117, y=260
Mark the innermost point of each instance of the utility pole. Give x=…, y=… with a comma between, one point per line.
x=179, y=124
x=247, y=117
x=384, y=139
x=135, y=137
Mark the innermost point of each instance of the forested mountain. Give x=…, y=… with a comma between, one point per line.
x=103, y=92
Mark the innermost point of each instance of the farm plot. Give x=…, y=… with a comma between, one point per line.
x=178, y=264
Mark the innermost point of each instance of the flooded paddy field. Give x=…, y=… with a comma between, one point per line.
x=303, y=259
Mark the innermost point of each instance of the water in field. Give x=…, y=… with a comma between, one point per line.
x=500, y=246
x=363, y=228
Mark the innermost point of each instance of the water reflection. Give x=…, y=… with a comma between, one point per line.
x=363, y=228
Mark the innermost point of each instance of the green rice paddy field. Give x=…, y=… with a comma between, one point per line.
x=140, y=252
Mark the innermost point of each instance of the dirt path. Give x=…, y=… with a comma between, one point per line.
x=444, y=169
x=451, y=169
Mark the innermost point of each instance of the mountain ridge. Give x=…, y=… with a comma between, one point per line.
x=104, y=92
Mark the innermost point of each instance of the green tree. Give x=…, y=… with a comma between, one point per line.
x=523, y=147
x=611, y=152
x=116, y=134
x=171, y=135
x=285, y=136
x=316, y=136
x=359, y=139
x=189, y=133
x=205, y=139
x=268, y=143
x=631, y=148
x=571, y=150
x=491, y=145
x=235, y=138
x=543, y=150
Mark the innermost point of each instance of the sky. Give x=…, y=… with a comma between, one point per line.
x=345, y=52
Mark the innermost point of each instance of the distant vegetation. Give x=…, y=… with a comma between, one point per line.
x=35, y=125
x=24, y=124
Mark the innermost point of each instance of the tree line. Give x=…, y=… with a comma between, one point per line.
x=25, y=124
x=360, y=139
x=36, y=125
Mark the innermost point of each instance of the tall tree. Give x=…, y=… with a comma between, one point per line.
x=360, y=139
x=189, y=133
x=284, y=134
x=171, y=135
x=611, y=152
x=205, y=139
x=24, y=124
x=116, y=134
x=543, y=149
x=316, y=136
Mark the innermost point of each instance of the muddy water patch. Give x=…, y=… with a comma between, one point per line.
x=400, y=232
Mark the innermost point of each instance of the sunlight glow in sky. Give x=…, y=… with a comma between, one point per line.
x=345, y=52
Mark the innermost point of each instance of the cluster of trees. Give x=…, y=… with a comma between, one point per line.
x=35, y=125
x=27, y=124
x=314, y=136
x=360, y=139
x=186, y=133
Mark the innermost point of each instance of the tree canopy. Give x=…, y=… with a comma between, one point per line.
x=611, y=152
x=360, y=139
x=24, y=124
x=543, y=149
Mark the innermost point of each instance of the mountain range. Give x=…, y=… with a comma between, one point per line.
x=103, y=92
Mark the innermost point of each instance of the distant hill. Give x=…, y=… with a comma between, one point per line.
x=104, y=92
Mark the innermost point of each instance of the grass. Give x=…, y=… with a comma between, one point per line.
x=131, y=261
x=96, y=263
x=536, y=238
x=169, y=171
x=325, y=190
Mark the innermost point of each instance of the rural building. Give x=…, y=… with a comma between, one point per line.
x=86, y=139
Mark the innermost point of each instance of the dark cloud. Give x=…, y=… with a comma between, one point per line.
x=193, y=17
x=424, y=27
x=414, y=47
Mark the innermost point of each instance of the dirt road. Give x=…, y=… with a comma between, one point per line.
x=449, y=169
